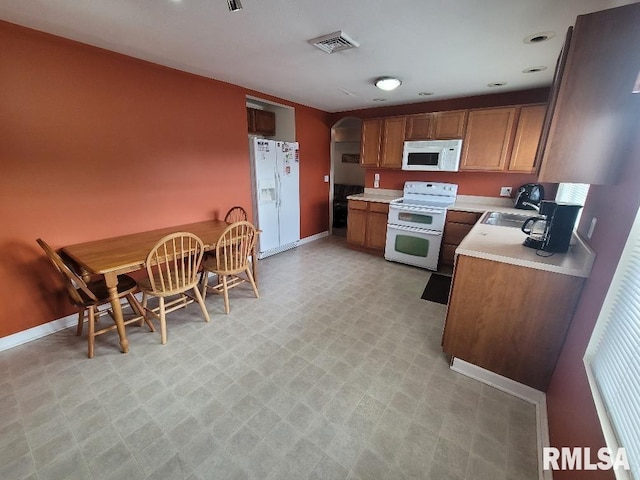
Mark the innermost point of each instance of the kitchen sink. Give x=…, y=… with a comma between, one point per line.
x=502, y=219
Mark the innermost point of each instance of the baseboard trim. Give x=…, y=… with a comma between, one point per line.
x=313, y=238
x=40, y=331
x=524, y=392
x=45, y=329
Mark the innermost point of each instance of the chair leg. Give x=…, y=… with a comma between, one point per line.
x=139, y=309
x=92, y=329
x=225, y=291
x=80, y=322
x=252, y=282
x=163, y=322
x=204, y=281
x=201, y=302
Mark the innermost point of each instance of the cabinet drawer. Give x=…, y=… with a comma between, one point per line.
x=379, y=207
x=357, y=205
x=448, y=253
x=462, y=217
x=455, y=232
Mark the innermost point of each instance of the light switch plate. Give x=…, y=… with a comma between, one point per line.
x=326, y=179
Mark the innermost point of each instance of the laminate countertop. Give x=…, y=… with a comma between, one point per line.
x=380, y=195
x=504, y=244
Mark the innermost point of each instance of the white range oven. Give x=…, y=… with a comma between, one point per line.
x=416, y=223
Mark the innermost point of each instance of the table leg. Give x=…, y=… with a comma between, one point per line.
x=254, y=263
x=111, y=280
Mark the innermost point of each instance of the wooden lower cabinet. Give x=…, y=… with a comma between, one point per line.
x=367, y=224
x=509, y=319
x=456, y=228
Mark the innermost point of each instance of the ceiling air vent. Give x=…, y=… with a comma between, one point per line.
x=334, y=42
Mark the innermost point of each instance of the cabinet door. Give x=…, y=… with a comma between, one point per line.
x=265, y=122
x=449, y=124
x=496, y=320
x=523, y=157
x=392, y=142
x=377, y=225
x=251, y=120
x=419, y=127
x=356, y=224
x=595, y=116
x=370, y=143
x=488, y=139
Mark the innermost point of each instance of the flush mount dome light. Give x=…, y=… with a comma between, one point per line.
x=539, y=37
x=387, y=83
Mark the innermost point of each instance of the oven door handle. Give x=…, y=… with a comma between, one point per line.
x=405, y=208
x=435, y=233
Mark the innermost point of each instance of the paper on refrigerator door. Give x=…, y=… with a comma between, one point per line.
x=267, y=190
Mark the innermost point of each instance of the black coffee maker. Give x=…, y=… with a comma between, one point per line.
x=551, y=230
x=529, y=196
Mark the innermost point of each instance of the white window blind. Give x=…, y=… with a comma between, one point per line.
x=573, y=193
x=612, y=358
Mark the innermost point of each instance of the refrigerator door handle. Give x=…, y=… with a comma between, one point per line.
x=277, y=178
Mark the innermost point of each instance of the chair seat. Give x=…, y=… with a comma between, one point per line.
x=158, y=290
x=211, y=264
x=126, y=285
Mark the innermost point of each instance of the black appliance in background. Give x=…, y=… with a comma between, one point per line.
x=529, y=196
x=551, y=230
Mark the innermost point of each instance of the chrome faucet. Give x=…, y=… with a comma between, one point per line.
x=534, y=206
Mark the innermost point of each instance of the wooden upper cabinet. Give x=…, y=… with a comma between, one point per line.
x=523, y=157
x=262, y=122
x=382, y=142
x=370, y=142
x=488, y=139
x=419, y=127
x=595, y=116
x=449, y=124
x=392, y=142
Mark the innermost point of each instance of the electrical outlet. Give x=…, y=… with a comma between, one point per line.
x=505, y=191
x=376, y=180
x=326, y=179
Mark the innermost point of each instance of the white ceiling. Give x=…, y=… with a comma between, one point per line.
x=452, y=48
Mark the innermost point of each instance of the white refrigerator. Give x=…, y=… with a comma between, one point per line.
x=275, y=179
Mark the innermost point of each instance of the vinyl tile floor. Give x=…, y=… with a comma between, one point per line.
x=335, y=372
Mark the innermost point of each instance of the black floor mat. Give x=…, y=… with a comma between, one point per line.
x=437, y=289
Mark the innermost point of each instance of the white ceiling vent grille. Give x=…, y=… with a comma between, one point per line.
x=334, y=42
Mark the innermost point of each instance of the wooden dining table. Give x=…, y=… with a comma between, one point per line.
x=111, y=257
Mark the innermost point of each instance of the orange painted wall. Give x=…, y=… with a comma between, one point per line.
x=95, y=144
x=469, y=183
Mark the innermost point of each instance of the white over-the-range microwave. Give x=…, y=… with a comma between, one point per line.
x=432, y=155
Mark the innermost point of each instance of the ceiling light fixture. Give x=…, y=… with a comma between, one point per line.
x=387, y=83
x=539, y=68
x=234, y=5
x=539, y=37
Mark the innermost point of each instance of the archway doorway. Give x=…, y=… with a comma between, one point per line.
x=347, y=175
